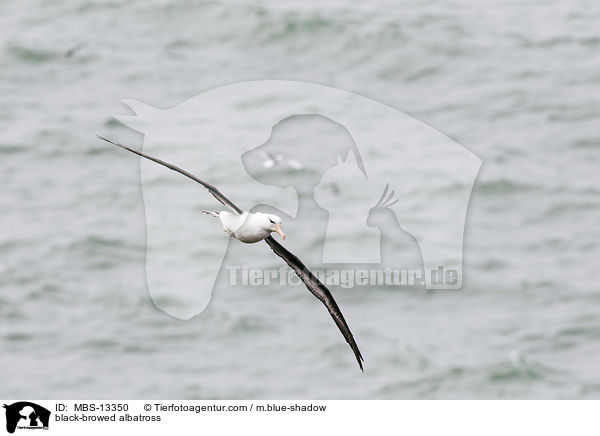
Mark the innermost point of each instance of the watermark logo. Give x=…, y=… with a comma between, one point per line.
x=360, y=186
x=344, y=278
x=24, y=415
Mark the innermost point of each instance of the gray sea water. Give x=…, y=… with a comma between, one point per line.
x=517, y=83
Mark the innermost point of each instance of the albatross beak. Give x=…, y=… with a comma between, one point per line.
x=278, y=230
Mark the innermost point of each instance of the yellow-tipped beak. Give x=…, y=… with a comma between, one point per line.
x=278, y=230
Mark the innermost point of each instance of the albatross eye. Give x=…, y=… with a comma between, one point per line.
x=272, y=222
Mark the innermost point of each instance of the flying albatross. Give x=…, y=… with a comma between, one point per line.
x=253, y=227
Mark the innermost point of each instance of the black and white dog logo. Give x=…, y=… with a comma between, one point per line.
x=26, y=415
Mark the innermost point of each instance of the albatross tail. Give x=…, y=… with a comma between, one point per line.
x=211, y=212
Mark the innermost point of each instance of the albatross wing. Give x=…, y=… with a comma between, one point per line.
x=214, y=191
x=319, y=290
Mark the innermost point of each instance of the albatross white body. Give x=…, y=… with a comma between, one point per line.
x=250, y=227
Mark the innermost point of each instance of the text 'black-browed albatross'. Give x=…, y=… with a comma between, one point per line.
x=253, y=227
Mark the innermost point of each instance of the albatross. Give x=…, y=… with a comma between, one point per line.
x=252, y=227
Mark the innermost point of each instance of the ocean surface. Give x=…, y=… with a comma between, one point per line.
x=516, y=83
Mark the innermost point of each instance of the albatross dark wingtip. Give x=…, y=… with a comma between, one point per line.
x=116, y=143
x=360, y=361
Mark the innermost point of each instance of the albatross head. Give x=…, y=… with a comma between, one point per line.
x=273, y=224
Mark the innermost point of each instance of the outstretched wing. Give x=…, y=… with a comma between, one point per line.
x=319, y=290
x=214, y=191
